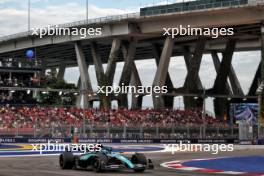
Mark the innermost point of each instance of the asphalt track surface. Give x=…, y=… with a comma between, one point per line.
x=49, y=166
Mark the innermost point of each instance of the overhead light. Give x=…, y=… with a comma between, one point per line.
x=196, y=98
x=76, y=93
x=245, y=99
x=136, y=96
x=116, y=95
x=229, y=99
x=60, y=93
x=95, y=94
x=44, y=92
x=28, y=92
x=89, y=95
x=157, y=96
x=12, y=91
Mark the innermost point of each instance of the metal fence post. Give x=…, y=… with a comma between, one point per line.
x=172, y=130
x=201, y=132
x=157, y=131
x=124, y=131
x=91, y=130
x=188, y=131
x=141, y=131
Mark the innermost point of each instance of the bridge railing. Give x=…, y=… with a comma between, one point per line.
x=115, y=18
x=190, y=6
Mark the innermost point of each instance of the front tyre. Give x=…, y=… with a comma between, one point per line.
x=66, y=160
x=99, y=163
x=139, y=158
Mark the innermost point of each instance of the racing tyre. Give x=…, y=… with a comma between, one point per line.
x=139, y=158
x=76, y=164
x=66, y=160
x=99, y=163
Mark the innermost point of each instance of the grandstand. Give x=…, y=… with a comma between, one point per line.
x=121, y=123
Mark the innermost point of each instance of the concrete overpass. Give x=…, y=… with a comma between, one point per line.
x=132, y=37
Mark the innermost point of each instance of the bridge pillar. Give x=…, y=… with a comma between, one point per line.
x=193, y=83
x=235, y=85
x=261, y=94
x=105, y=101
x=127, y=71
x=135, y=81
x=217, y=64
x=190, y=102
x=111, y=65
x=256, y=82
x=79, y=97
x=220, y=84
x=168, y=100
x=84, y=76
x=162, y=70
x=61, y=72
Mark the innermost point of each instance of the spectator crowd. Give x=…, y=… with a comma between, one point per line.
x=27, y=117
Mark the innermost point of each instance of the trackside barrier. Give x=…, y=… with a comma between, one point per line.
x=119, y=141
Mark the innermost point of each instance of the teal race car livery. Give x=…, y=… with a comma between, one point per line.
x=105, y=160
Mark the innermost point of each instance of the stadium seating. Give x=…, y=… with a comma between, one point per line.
x=26, y=117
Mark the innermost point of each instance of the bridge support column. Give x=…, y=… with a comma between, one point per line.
x=79, y=97
x=111, y=65
x=193, y=83
x=189, y=86
x=105, y=101
x=261, y=94
x=168, y=100
x=61, y=72
x=162, y=70
x=220, y=84
x=127, y=71
x=84, y=76
x=135, y=81
x=217, y=64
x=235, y=85
x=256, y=82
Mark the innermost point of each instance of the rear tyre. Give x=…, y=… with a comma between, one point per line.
x=139, y=158
x=66, y=160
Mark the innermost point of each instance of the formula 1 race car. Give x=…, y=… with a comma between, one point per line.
x=105, y=160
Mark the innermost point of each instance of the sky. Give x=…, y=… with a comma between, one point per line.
x=13, y=19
